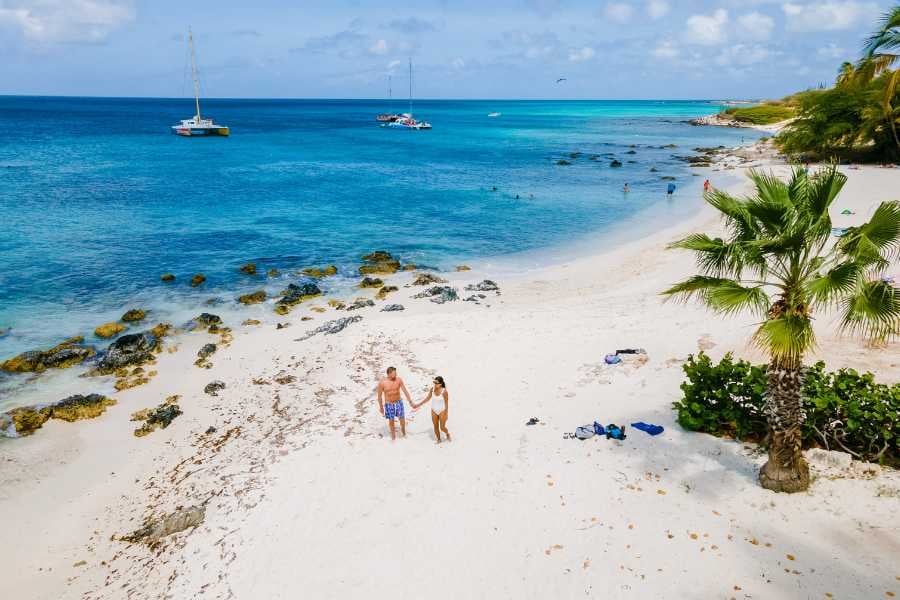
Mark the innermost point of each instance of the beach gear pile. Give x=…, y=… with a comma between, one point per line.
x=611, y=431
x=614, y=359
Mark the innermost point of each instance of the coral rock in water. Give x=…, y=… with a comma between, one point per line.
x=254, y=298
x=134, y=315
x=198, y=279
x=107, y=330
x=79, y=407
x=167, y=277
x=70, y=352
x=379, y=263
x=248, y=269
x=128, y=350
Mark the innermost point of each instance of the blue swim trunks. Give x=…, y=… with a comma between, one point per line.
x=394, y=410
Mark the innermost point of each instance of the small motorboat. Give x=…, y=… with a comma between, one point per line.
x=387, y=118
x=494, y=114
x=406, y=121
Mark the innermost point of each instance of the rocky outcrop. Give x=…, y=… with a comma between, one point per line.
x=331, y=327
x=337, y=304
x=484, y=286
x=361, y=303
x=320, y=273
x=28, y=419
x=161, y=330
x=388, y=289
x=463, y=268
x=77, y=407
x=439, y=294
x=295, y=294
x=563, y=162
x=254, y=298
x=198, y=279
x=167, y=277
x=371, y=282
x=129, y=350
x=379, y=263
x=157, y=418
x=250, y=322
x=392, y=308
x=248, y=269
x=615, y=164
x=68, y=353
x=207, y=350
x=108, y=330
x=214, y=387
x=427, y=279
x=207, y=320
x=134, y=315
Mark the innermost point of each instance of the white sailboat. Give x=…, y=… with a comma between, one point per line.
x=197, y=126
x=406, y=120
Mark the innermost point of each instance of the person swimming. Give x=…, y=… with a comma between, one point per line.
x=671, y=189
x=626, y=189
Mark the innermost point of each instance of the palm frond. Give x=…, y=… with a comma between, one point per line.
x=786, y=338
x=823, y=188
x=828, y=287
x=879, y=236
x=885, y=38
x=721, y=294
x=738, y=221
x=873, y=311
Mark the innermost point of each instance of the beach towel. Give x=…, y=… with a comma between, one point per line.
x=615, y=432
x=612, y=359
x=598, y=429
x=648, y=428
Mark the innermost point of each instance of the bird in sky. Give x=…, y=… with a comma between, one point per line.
x=560, y=79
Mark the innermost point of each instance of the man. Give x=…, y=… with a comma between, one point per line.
x=389, y=402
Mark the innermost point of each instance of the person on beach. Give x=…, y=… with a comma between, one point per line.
x=706, y=185
x=440, y=406
x=671, y=189
x=389, y=402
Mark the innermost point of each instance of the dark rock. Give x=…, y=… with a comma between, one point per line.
x=667, y=178
x=563, y=162
x=248, y=269
x=463, y=268
x=273, y=272
x=27, y=419
x=427, y=279
x=388, y=289
x=210, y=430
x=320, y=273
x=134, y=315
x=79, y=407
x=331, y=327
x=206, y=320
x=485, y=286
x=108, y=330
x=130, y=349
x=214, y=387
x=68, y=353
x=631, y=152
x=392, y=308
x=654, y=170
x=207, y=350
x=439, y=294
x=282, y=325
x=254, y=298
x=615, y=164
x=361, y=303
x=176, y=522
x=371, y=282
x=379, y=263
x=295, y=294
x=167, y=277
x=198, y=279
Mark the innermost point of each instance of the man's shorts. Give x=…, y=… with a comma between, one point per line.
x=394, y=410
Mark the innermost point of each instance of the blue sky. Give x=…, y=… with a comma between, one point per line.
x=461, y=49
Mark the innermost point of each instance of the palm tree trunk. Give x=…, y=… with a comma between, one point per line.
x=786, y=470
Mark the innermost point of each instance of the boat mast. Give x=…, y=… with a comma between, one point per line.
x=410, y=86
x=390, y=96
x=194, y=72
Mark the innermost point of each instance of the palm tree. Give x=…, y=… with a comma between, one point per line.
x=780, y=261
x=879, y=54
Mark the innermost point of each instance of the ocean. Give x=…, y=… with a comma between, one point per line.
x=99, y=199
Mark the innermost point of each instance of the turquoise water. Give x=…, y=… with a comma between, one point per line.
x=99, y=199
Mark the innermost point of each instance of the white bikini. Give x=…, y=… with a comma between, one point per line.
x=437, y=402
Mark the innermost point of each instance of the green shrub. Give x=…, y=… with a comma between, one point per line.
x=844, y=410
x=763, y=114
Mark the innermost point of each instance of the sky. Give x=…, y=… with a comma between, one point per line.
x=622, y=49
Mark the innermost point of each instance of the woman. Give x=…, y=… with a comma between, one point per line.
x=440, y=403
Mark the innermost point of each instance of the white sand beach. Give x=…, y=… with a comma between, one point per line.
x=305, y=495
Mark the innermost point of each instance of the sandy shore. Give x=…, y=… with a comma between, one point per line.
x=305, y=496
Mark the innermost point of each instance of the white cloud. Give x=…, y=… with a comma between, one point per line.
x=742, y=55
x=618, y=12
x=379, y=47
x=707, y=30
x=832, y=51
x=756, y=26
x=458, y=64
x=657, y=8
x=828, y=16
x=666, y=49
x=70, y=21
x=581, y=54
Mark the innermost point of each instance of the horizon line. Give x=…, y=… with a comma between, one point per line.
x=541, y=99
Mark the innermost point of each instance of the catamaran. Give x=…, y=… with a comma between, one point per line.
x=388, y=117
x=406, y=120
x=197, y=125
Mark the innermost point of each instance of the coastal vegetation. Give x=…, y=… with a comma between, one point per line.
x=762, y=114
x=779, y=261
x=845, y=410
x=858, y=118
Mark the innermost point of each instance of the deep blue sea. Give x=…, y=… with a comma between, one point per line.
x=98, y=198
